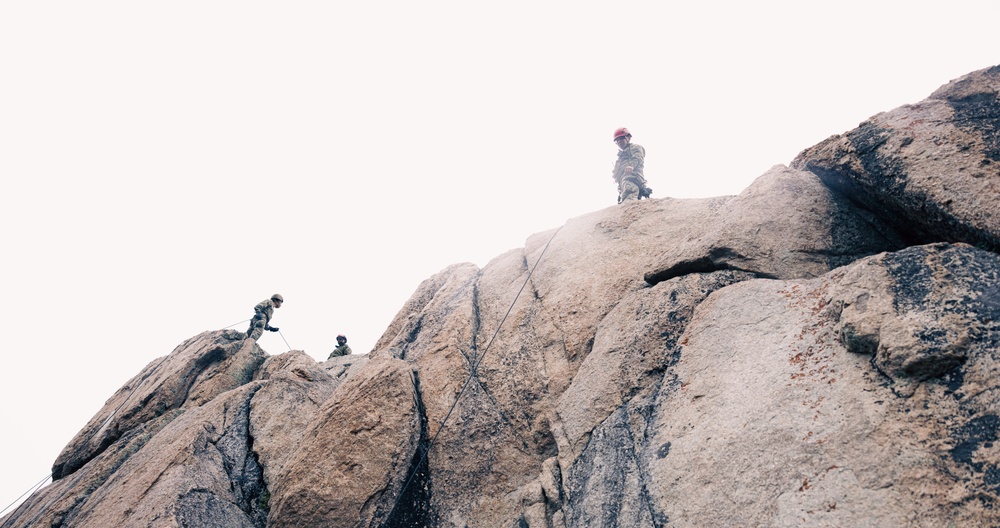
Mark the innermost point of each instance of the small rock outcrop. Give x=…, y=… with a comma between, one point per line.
x=820, y=350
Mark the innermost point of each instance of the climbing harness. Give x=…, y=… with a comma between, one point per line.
x=472, y=374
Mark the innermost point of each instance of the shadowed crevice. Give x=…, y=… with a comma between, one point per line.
x=718, y=259
x=413, y=509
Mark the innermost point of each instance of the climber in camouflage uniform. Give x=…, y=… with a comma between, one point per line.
x=342, y=348
x=628, y=169
x=262, y=316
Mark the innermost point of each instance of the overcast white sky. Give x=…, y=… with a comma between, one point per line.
x=167, y=165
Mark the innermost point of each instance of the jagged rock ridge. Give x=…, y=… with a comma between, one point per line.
x=820, y=350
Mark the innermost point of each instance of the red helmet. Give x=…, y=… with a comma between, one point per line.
x=622, y=132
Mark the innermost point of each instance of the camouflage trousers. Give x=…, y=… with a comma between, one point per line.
x=257, y=325
x=628, y=190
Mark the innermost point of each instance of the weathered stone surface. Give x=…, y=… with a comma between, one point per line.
x=786, y=225
x=198, y=463
x=931, y=169
x=198, y=470
x=769, y=420
x=198, y=370
x=606, y=485
x=441, y=338
x=911, y=345
x=734, y=361
x=343, y=367
x=57, y=504
x=633, y=346
x=484, y=463
x=294, y=389
x=355, y=456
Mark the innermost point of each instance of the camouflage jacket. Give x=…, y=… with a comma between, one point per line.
x=265, y=308
x=342, y=350
x=632, y=155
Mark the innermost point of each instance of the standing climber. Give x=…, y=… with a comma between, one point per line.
x=262, y=316
x=628, y=169
x=342, y=348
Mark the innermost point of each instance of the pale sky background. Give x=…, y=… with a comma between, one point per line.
x=167, y=165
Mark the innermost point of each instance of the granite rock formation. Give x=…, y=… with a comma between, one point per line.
x=820, y=350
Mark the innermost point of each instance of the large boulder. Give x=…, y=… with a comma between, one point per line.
x=531, y=376
x=294, y=389
x=786, y=225
x=930, y=169
x=348, y=466
x=197, y=438
x=184, y=468
x=777, y=414
x=633, y=345
x=195, y=372
x=775, y=358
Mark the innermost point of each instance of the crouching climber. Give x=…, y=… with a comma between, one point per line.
x=262, y=316
x=342, y=348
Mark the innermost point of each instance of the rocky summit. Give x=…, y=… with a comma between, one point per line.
x=821, y=350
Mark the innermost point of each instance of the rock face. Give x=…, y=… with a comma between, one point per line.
x=774, y=407
x=931, y=169
x=821, y=350
x=787, y=224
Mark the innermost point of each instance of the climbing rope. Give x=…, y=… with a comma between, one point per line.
x=89, y=439
x=104, y=424
x=423, y=457
x=31, y=490
x=472, y=374
x=285, y=340
x=234, y=324
x=248, y=320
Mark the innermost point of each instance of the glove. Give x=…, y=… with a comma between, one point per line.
x=271, y=328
